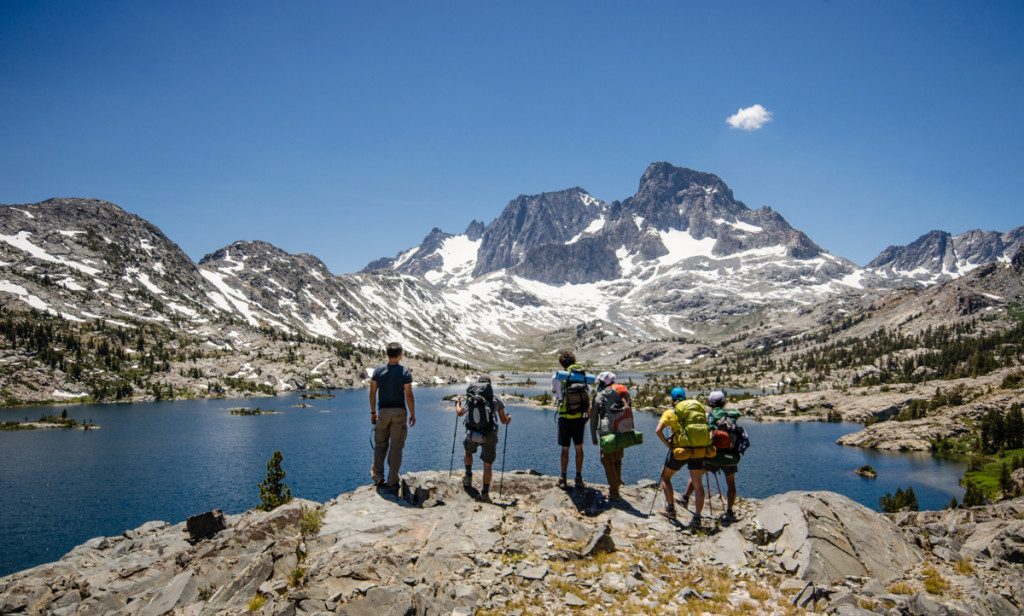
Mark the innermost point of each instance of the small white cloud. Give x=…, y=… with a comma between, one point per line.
x=751, y=118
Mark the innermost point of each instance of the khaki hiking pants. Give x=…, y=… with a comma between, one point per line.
x=612, y=463
x=388, y=441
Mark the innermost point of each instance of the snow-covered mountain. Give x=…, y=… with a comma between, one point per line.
x=938, y=255
x=679, y=259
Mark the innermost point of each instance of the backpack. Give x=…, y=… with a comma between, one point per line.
x=480, y=408
x=694, y=429
x=575, y=395
x=615, y=408
x=724, y=421
x=735, y=439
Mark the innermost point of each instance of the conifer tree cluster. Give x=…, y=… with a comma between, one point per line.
x=901, y=500
x=1001, y=431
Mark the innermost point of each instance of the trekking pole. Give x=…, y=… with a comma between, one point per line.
x=711, y=507
x=455, y=435
x=719, y=486
x=504, y=448
x=655, y=499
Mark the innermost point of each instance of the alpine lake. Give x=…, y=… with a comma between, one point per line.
x=174, y=459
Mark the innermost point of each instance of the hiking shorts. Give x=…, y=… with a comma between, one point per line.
x=570, y=431
x=693, y=464
x=728, y=470
x=489, y=446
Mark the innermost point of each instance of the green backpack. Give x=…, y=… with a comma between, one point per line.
x=694, y=424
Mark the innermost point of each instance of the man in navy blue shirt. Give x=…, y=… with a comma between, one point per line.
x=390, y=394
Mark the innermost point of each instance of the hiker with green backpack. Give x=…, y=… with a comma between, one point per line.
x=730, y=443
x=573, y=398
x=689, y=444
x=611, y=427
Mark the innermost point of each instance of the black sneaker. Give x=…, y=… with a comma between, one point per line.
x=579, y=481
x=562, y=482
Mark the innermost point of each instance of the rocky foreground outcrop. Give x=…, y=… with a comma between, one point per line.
x=433, y=549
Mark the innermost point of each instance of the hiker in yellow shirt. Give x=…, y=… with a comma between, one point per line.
x=686, y=445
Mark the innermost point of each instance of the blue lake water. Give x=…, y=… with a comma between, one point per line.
x=169, y=460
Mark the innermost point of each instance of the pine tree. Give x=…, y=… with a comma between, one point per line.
x=273, y=491
x=1005, y=483
x=973, y=496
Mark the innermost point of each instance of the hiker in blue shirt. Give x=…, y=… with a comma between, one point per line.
x=390, y=394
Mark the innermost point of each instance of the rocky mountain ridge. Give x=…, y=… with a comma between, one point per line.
x=433, y=549
x=681, y=259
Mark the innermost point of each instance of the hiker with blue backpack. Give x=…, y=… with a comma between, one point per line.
x=573, y=399
x=482, y=409
x=730, y=443
x=689, y=444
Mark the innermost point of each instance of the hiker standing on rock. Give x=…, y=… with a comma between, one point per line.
x=573, y=398
x=609, y=407
x=684, y=448
x=481, y=430
x=726, y=459
x=390, y=394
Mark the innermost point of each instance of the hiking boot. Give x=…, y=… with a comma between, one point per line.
x=685, y=502
x=729, y=517
x=562, y=482
x=669, y=512
x=695, y=523
x=485, y=497
x=614, y=497
x=467, y=481
x=579, y=481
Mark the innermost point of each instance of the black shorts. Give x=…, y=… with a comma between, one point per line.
x=728, y=470
x=693, y=464
x=570, y=431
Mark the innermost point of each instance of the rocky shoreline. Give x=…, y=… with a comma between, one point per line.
x=880, y=407
x=538, y=549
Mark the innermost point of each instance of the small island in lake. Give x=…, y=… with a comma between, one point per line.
x=255, y=411
x=48, y=422
x=867, y=471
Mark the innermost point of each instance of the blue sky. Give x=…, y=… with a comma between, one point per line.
x=349, y=129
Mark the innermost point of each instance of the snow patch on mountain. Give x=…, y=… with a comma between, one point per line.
x=591, y=229
x=681, y=246
x=739, y=225
x=21, y=242
x=458, y=258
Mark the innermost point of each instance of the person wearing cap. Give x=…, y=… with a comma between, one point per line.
x=605, y=397
x=670, y=419
x=390, y=396
x=489, y=446
x=717, y=401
